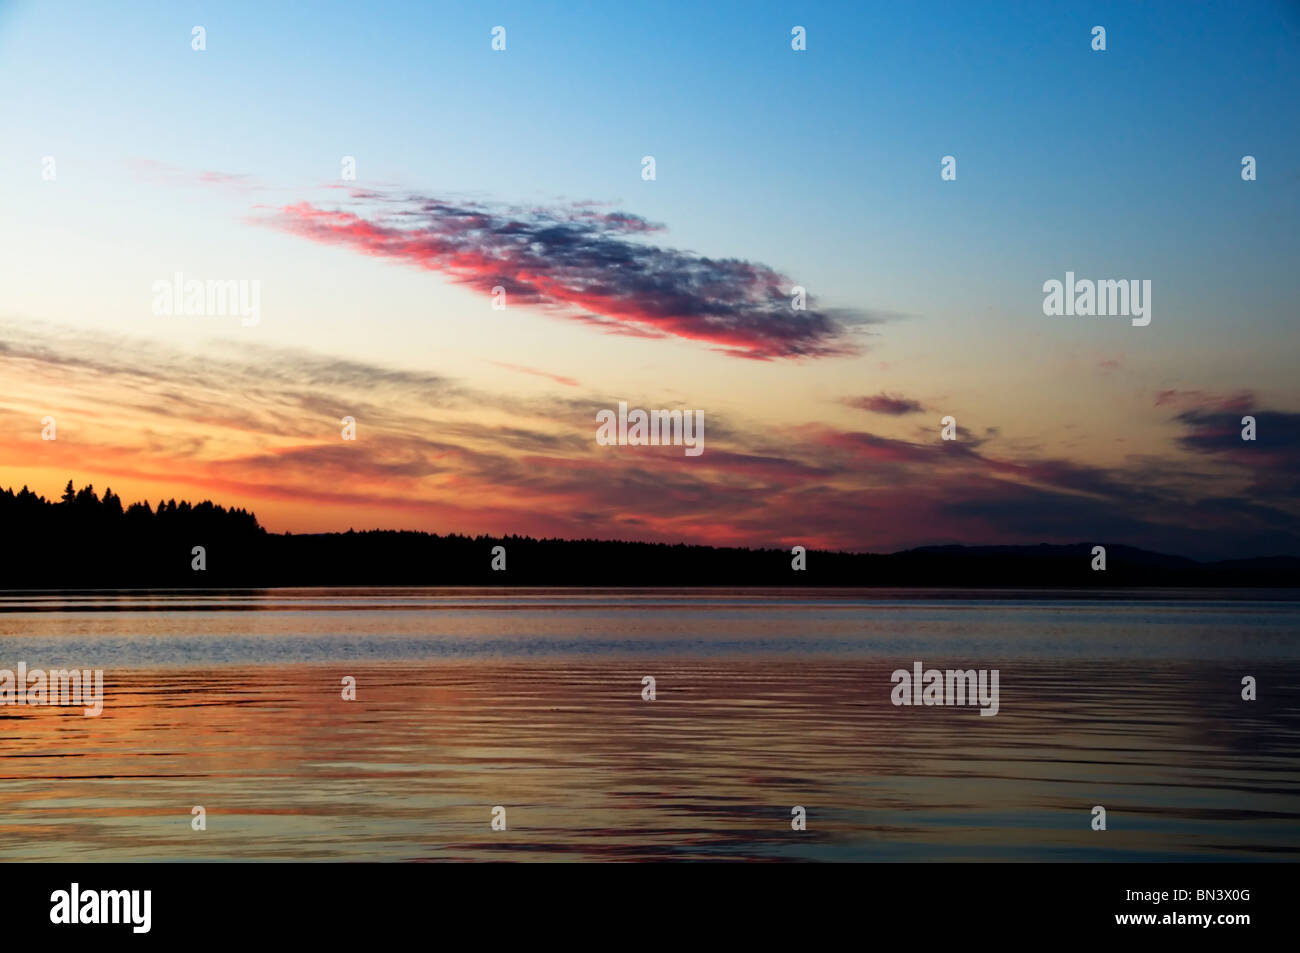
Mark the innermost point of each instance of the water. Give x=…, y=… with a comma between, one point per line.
x=531, y=700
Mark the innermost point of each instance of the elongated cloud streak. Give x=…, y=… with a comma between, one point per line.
x=587, y=265
x=894, y=405
x=258, y=426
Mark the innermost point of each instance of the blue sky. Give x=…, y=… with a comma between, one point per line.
x=824, y=162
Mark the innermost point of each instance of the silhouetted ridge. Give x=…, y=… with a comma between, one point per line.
x=86, y=542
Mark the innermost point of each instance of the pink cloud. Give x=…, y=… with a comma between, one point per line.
x=587, y=266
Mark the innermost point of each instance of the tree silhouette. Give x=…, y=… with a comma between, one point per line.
x=85, y=542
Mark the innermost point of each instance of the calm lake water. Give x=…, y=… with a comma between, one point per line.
x=532, y=700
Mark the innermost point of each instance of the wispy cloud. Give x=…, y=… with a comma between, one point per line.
x=1204, y=400
x=258, y=427
x=566, y=381
x=894, y=405
x=1213, y=428
x=586, y=264
x=163, y=173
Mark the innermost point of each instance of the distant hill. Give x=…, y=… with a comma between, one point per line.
x=85, y=542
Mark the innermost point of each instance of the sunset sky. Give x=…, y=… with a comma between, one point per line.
x=774, y=168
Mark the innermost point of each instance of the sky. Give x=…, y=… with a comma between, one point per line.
x=128, y=156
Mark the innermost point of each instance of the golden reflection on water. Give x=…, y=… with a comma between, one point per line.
x=586, y=769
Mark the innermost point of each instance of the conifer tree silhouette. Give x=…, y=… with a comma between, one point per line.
x=85, y=542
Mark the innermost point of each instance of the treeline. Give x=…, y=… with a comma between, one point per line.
x=84, y=541
x=84, y=509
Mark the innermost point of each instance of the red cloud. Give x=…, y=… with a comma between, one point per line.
x=585, y=266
